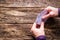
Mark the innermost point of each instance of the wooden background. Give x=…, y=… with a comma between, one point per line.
x=17, y=17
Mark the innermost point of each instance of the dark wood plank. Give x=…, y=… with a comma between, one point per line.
x=21, y=3
x=17, y=20
x=15, y=31
x=18, y=15
x=15, y=16
x=29, y=3
x=22, y=9
x=22, y=31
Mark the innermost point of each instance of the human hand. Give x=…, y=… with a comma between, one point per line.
x=52, y=12
x=38, y=31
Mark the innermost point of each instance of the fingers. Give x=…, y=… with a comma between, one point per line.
x=34, y=26
x=46, y=16
x=48, y=8
x=51, y=14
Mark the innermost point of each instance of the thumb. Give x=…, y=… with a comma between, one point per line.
x=42, y=25
x=48, y=13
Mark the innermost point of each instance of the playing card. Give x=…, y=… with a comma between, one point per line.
x=39, y=17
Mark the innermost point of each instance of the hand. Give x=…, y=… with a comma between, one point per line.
x=52, y=12
x=38, y=31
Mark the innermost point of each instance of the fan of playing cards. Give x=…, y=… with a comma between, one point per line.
x=39, y=17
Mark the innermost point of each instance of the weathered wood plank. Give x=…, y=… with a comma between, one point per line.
x=14, y=13
x=53, y=28
x=29, y=3
x=55, y=3
x=21, y=15
x=22, y=3
x=22, y=31
x=17, y=16
x=22, y=9
x=16, y=19
x=13, y=16
x=11, y=39
x=15, y=31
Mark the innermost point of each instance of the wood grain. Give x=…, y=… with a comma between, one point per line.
x=18, y=16
x=22, y=31
x=22, y=3
x=15, y=31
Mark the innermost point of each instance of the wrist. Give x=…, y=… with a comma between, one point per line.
x=39, y=34
x=42, y=37
x=56, y=14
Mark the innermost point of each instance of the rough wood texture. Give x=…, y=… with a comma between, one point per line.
x=17, y=17
x=22, y=3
